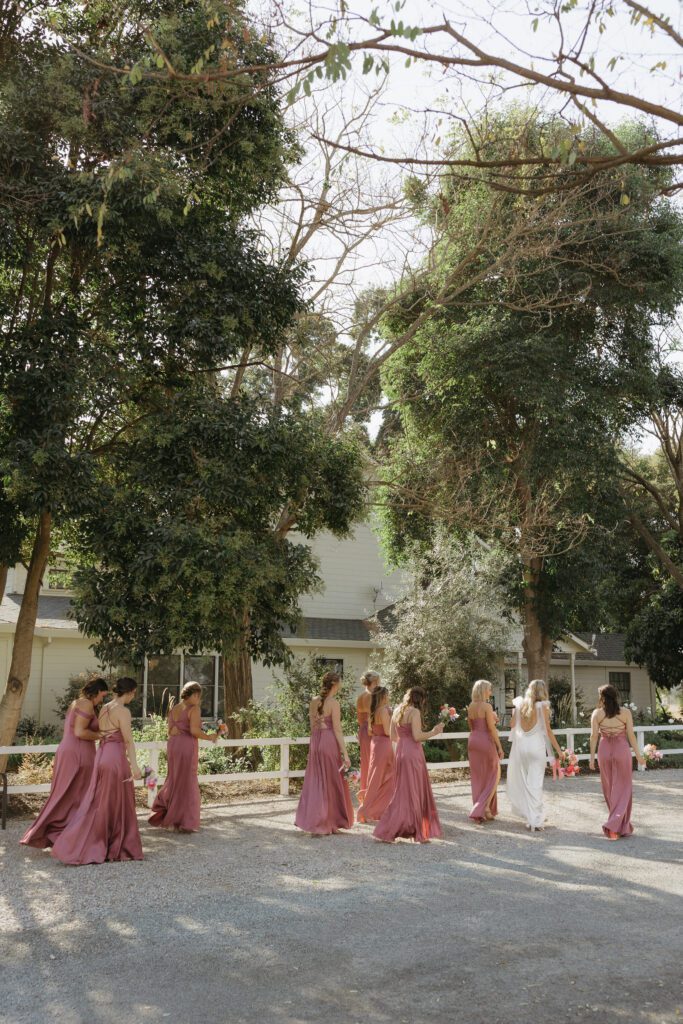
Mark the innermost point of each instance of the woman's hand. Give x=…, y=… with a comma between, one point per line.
x=591, y=765
x=438, y=729
x=137, y=774
x=640, y=759
x=501, y=753
x=346, y=761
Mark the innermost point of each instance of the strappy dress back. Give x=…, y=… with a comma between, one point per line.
x=178, y=802
x=616, y=776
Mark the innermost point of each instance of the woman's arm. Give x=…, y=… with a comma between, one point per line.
x=385, y=719
x=82, y=728
x=313, y=714
x=418, y=734
x=196, y=726
x=632, y=738
x=336, y=725
x=124, y=725
x=491, y=719
x=595, y=731
x=393, y=730
x=549, y=731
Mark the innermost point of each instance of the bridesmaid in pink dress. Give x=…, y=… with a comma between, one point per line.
x=178, y=801
x=484, y=753
x=370, y=680
x=106, y=825
x=72, y=767
x=325, y=804
x=381, y=774
x=614, y=726
x=411, y=813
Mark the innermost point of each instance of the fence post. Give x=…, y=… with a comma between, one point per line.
x=154, y=765
x=284, y=769
x=570, y=741
x=3, y=810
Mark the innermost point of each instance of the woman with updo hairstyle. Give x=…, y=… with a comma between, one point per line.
x=178, y=802
x=381, y=774
x=106, y=825
x=411, y=812
x=484, y=753
x=325, y=804
x=370, y=682
x=613, y=725
x=530, y=734
x=72, y=768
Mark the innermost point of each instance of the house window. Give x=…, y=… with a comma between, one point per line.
x=163, y=682
x=58, y=576
x=330, y=665
x=622, y=682
x=202, y=669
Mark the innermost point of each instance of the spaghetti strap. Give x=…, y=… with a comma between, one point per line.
x=84, y=714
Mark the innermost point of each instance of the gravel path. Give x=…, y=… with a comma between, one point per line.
x=250, y=921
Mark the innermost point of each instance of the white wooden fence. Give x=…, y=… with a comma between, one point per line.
x=284, y=774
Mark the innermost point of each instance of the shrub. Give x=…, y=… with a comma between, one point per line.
x=286, y=714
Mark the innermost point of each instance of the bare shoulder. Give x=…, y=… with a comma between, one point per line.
x=597, y=715
x=627, y=715
x=83, y=704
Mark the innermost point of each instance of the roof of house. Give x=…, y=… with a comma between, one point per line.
x=609, y=646
x=52, y=611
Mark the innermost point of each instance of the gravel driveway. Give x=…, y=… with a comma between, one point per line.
x=250, y=921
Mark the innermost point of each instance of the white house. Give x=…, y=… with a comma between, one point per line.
x=335, y=628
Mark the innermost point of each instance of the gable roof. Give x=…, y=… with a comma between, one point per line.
x=52, y=612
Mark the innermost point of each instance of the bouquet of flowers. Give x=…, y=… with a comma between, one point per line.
x=447, y=714
x=352, y=775
x=149, y=777
x=566, y=765
x=653, y=756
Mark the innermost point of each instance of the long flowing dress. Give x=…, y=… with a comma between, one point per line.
x=178, y=802
x=71, y=774
x=616, y=778
x=484, y=770
x=325, y=803
x=364, y=741
x=526, y=768
x=106, y=826
x=381, y=777
x=411, y=812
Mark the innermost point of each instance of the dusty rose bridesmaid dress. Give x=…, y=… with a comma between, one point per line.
x=381, y=777
x=325, y=804
x=483, y=758
x=71, y=775
x=106, y=826
x=364, y=740
x=178, y=802
x=411, y=813
x=616, y=778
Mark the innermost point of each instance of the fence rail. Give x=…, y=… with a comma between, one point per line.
x=284, y=774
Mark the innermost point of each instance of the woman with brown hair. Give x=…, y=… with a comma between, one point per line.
x=325, y=804
x=72, y=767
x=106, y=826
x=178, y=802
x=614, y=727
x=381, y=772
x=370, y=682
x=411, y=813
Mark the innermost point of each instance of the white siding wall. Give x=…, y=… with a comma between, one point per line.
x=356, y=661
x=590, y=677
x=352, y=571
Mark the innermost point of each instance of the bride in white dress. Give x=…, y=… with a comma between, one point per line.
x=530, y=734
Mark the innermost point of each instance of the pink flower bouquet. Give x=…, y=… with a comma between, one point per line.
x=149, y=777
x=653, y=756
x=352, y=775
x=447, y=714
x=566, y=766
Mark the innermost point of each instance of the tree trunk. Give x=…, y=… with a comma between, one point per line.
x=4, y=569
x=20, y=666
x=538, y=647
x=238, y=687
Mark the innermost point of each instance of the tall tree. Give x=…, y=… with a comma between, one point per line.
x=127, y=266
x=510, y=419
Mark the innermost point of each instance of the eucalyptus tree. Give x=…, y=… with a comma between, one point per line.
x=510, y=418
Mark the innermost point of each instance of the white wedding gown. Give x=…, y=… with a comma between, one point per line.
x=526, y=768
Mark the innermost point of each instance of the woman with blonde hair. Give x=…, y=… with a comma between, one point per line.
x=381, y=774
x=484, y=753
x=325, y=804
x=178, y=802
x=411, y=812
x=370, y=682
x=530, y=733
x=614, y=726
